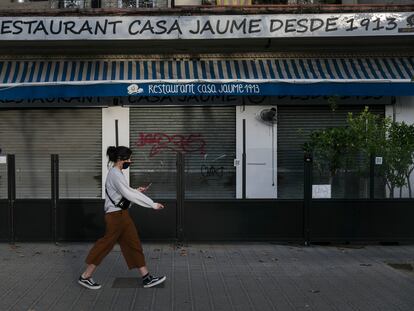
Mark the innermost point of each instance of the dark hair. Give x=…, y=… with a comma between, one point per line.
x=118, y=153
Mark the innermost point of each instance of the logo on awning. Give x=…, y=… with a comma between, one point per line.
x=134, y=89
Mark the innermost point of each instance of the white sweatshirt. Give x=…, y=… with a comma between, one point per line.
x=117, y=187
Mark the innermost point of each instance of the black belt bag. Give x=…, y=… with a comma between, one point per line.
x=123, y=203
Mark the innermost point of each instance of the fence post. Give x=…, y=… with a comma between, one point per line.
x=180, y=196
x=244, y=161
x=307, y=197
x=11, y=192
x=372, y=176
x=55, y=193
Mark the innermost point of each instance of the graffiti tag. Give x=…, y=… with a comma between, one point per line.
x=191, y=143
x=212, y=171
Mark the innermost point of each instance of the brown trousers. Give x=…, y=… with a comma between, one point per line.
x=119, y=228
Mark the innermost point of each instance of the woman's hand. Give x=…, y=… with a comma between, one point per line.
x=142, y=189
x=158, y=206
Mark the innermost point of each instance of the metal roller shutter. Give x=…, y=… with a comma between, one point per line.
x=294, y=126
x=74, y=134
x=207, y=137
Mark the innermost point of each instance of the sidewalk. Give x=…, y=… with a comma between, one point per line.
x=237, y=276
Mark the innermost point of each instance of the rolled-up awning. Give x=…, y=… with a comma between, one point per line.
x=370, y=76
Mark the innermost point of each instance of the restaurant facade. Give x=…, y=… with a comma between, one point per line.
x=216, y=108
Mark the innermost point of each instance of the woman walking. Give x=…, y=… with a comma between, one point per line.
x=119, y=225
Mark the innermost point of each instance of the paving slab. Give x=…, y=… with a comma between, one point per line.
x=212, y=277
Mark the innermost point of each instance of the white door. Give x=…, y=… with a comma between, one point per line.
x=261, y=153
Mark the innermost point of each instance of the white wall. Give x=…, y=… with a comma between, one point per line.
x=261, y=160
x=109, y=115
x=402, y=111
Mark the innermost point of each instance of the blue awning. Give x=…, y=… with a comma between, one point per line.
x=374, y=76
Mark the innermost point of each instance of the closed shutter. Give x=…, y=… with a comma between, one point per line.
x=294, y=126
x=207, y=137
x=74, y=134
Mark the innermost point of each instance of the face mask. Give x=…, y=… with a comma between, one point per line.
x=125, y=165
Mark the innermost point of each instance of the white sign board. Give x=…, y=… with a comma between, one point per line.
x=3, y=159
x=378, y=160
x=205, y=26
x=321, y=191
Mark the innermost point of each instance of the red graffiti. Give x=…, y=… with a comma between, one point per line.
x=179, y=143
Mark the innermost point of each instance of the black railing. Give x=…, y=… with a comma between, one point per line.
x=307, y=219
